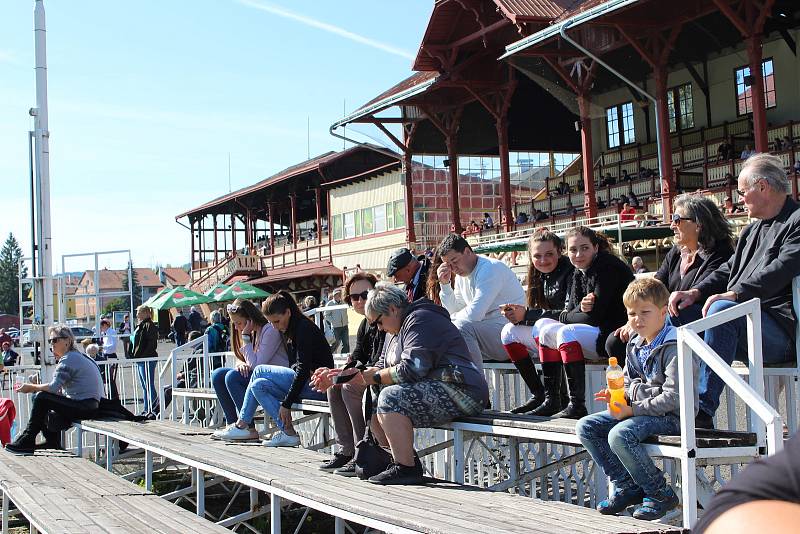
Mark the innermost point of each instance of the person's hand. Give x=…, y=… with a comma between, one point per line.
x=625, y=332
x=322, y=379
x=179, y=376
x=444, y=273
x=285, y=415
x=26, y=388
x=248, y=327
x=243, y=368
x=602, y=396
x=587, y=303
x=680, y=300
x=514, y=313
x=622, y=411
x=728, y=295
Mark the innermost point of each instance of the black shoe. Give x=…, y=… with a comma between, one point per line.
x=703, y=420
x=397, y=474
x=552, y=372
x=338, y=460
x=527, y=370
x=572, y=411
x=349, y=469
x=20, y=449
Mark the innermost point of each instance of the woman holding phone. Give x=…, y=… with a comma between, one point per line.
x=254, y=342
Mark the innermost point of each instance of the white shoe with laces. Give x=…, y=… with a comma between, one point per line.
x=233, y=433
x=281, y=439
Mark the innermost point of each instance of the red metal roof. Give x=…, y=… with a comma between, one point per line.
x=524, y=10
x=298, y=272
x=410, y=82
x=578, y=6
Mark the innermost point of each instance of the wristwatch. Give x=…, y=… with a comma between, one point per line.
x=376, y=378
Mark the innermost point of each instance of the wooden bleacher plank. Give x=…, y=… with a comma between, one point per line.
x=60, y=492
x=442, y=507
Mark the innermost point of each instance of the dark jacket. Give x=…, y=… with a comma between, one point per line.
x=196, y=321
x=607, y=277
x=422, y=281
x=369, y=344
x=704, y=264
x=180, y=324
x=10, y=357
x=766, y=269
x=145, y=340
x=429, y=346
x=555, y=292
x=307, y=350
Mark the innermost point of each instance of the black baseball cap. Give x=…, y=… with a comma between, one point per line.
x=399, y=259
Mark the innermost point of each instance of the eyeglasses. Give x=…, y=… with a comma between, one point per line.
x=52, y=340
x=743, y=192
x=233, y=308
x=677, y=218
x=357, y=296
x=378, y=320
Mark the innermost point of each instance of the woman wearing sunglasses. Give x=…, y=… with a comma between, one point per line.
x=276, y=388
x=346, y=400
x=703, y=241
x=73, y=393
x=254, y=342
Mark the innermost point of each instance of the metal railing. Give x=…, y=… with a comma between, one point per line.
x=691, y=344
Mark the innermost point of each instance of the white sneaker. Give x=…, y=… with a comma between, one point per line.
x=282, y=439
x=218, y=433
x=233, y=433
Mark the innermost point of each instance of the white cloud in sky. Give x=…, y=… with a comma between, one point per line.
x=324, y=26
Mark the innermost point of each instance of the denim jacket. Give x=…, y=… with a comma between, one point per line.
x=654, y=390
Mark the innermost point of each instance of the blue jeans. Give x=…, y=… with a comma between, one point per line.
x=687, y=315
x=729, y=340
x=229, y=385
x=616, y=447
x=268, y=386
x=147, y=379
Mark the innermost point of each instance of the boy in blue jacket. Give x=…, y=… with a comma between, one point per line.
x=653, y=407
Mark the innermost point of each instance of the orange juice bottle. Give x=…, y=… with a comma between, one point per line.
x=616, y=385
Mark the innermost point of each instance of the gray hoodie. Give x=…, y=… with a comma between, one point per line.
x=429, y=346
x=654, y=390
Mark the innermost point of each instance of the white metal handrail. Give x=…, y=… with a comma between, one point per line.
x=184, y=351
x=691, y=344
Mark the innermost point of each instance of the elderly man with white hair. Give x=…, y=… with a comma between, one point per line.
x=74, y=392
x=766, y=259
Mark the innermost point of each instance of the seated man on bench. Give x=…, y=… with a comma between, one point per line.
x=74, y=393
x=766, y=259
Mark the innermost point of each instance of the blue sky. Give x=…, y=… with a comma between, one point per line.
x=147, y=99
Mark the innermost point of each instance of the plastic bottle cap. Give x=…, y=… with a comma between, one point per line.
x=612, y=361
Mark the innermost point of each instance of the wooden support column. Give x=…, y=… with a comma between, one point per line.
x=233, y=231
x=589, y=197
x=452, y=156
x=505, y=171
x=754, y=58
x=271, y=216
x=318, y=200
x=408, y=172
x=191, y=231
x=216, y=249
x=667, y=172
x=293, y=230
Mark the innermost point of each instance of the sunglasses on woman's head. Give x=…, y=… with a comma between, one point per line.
x=357, y=296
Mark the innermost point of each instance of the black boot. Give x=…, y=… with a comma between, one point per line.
x=24, y=445
x=564, y=389
x=576, y=378
x=552, y=372
x=527, y=370
x=52, y=439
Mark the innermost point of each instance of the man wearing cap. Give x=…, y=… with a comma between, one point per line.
x=409, y=270
x=338, y=322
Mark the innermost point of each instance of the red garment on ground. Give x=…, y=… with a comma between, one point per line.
x=8, y=412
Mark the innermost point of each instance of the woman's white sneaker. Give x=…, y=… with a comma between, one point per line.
x=282, y=439
x=233, y=433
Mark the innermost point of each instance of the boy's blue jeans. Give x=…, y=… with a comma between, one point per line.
x=616, y=447
x=268, y=386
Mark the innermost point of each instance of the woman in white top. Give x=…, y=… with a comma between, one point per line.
x=254, y=342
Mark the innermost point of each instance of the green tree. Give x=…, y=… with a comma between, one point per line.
x=122, y=303
x=10, y=255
